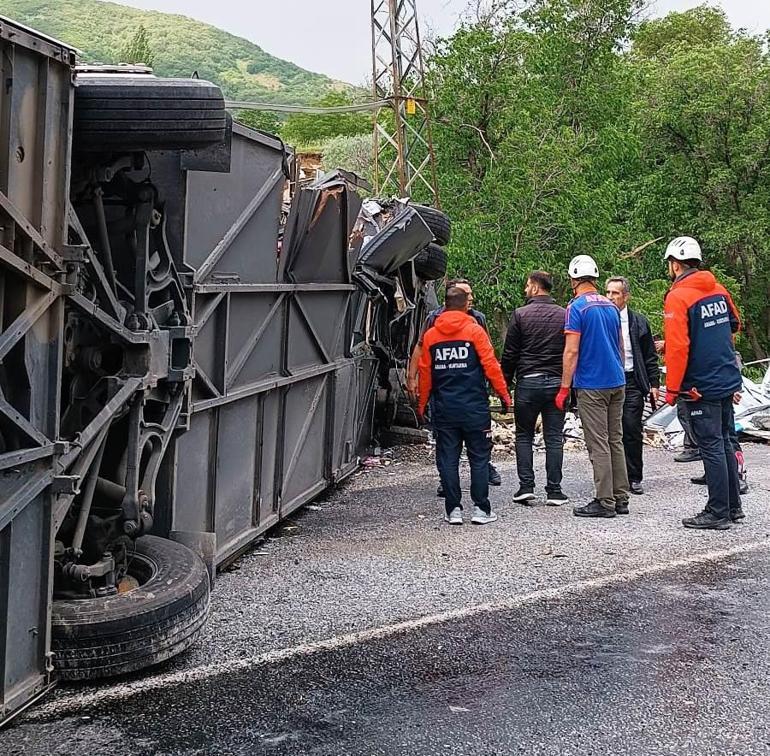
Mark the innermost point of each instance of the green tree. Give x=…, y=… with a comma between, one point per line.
x=352, y=153
x=261, y=120
x=703, y=25
x=311, y=129
x=703, y=112
x=532, y=143
x=569, y=127
x=138, y=49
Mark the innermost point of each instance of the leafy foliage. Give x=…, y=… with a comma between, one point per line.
x=103, y=30
x=567, y=127
x=703, y=112
x=353, y=153
x=261, y=120
x=313, y=129
x=138, y=49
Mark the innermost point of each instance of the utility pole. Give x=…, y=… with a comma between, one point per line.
x=403, y=143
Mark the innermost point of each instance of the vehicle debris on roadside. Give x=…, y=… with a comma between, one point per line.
x=752, y=416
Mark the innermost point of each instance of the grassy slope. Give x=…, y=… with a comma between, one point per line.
x=180, y=45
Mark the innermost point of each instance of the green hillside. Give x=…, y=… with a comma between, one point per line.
x=180, y=46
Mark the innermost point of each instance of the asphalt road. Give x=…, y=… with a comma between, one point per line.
x=367, y=627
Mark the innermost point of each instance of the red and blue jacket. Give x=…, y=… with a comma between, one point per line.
x=700, y=320
x=456, y=356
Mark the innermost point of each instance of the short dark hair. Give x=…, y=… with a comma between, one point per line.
x=542, y=279
x=693, y=263
x=456, y=299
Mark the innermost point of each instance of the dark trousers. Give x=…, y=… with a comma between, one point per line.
x=712, y=424
x=492, y=468
x=633, y=409
x=535, y=396
x=449, y=444
x=681, y=413
x=689, y=443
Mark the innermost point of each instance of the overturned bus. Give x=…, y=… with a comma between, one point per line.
x=188, y=352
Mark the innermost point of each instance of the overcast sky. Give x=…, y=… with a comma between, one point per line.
x=334, y=37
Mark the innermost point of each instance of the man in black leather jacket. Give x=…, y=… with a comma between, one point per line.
x=532, y=355
x=642, y=376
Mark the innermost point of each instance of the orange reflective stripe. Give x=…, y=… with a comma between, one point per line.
x=489, y=363
x=424, y=369
x=677, y=337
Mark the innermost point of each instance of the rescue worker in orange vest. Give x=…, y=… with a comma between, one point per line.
x=700, y=321
x=414, y=360
x=456, y=357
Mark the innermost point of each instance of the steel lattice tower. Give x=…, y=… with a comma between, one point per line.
x=403, y=144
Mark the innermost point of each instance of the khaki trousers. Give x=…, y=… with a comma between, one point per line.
x=601, y=414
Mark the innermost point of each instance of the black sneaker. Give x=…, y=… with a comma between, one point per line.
x=556, y=498
x=621, y=507
x=688, y=455
x=735, y=514
x=594, y=508
x=699, y=481
x=706, y=521
x=524, y=496
x=440, y=491
x=494, y=477
x=635, y=487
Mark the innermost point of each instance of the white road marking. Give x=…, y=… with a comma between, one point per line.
x=77, y=703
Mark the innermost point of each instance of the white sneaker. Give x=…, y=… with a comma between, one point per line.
x=524, y=494
x=480, y=517
x=455, y=517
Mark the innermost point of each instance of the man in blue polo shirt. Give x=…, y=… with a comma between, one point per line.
x=593, y=365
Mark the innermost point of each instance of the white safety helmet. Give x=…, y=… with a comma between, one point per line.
x=583, y=266
x=683, y=248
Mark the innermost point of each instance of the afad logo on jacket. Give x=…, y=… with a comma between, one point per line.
x=709, y=312
x=451, y=357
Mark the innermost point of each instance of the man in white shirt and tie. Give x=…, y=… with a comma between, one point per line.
x=642, y=377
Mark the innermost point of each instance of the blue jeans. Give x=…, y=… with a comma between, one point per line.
x=712, y=422
x=535, y=396
x=449, y=444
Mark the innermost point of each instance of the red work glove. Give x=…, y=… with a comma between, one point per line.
x=561, y=398
x=671, y=398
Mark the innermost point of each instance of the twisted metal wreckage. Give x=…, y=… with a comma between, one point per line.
x=181, y=363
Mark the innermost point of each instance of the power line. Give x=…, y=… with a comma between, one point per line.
x=268, y=106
